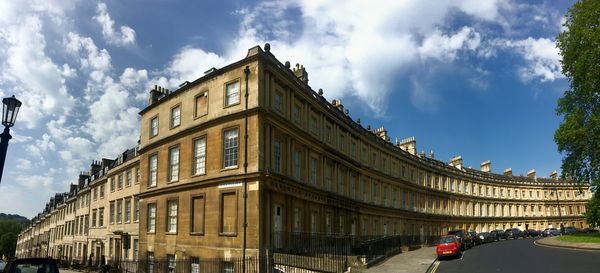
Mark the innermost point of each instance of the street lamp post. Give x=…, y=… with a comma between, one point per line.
x=10, y=109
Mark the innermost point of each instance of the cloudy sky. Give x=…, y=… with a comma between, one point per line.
x=476, y=78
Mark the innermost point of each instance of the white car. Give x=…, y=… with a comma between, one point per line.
x=2, y=265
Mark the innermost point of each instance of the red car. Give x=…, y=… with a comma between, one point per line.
x=448, y=247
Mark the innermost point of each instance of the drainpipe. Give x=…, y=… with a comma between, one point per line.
x=245, y=225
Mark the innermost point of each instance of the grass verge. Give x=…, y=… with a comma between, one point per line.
x=581, y=238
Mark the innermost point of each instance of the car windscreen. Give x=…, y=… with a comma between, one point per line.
x=34, y=267
x=446, y=239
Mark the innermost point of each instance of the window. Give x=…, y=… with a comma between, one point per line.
x=230, y=148
x=136, y=249
x=198, y=214
x=297, y=113
x=127, y=210
x=172, y=216
x=154, y=127
x=195, y=265
x=328, y=133
x=152, y=168
x=111, y=212
x=341, y=181
x=200, y=156
x=174, y=164
x=94, y=212
x=101, y=217
x=314, y=124
x=278, y=100
x=228, y=213
x=277, y=155
x=171, y=262
x=150, y=258
x=151, y=217
x=136, y=215
x=120, y=181
x=327, y=177
x=101, y=191
x=112, y=184
x=298, y=220
x=137, y=175
x=297, y=165
x=119, y=211
x=313, y=171
x=128, y=178
x=232, y=93
x=95, y=194
x=201, y=105
x=175, y=116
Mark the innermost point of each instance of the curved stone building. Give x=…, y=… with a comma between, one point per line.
x=247, y=154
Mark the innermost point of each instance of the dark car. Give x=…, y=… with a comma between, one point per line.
x=499, y=234
x=475, y=238
x=515, y=233
x=463, y=238
x=531, y=233
x=571, y=230
x=486, y=237
x=32, y=265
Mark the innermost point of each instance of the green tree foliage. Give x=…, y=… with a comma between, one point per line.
x=578, y=136
x=9, y=229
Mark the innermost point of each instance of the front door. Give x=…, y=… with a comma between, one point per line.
x=277, y=227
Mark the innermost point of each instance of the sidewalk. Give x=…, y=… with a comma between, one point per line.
x=416, y=261
x=553, y=242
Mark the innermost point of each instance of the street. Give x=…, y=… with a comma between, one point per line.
x=520, y=256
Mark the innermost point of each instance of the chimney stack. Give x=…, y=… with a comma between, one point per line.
x=301, y=73
x=431, y=154
x=456, y=162
x=408, y=144
x=382, y=133
x=338, y=105
x=157, y=93
x=531, y=174
x=486, y=166
x=554, y=175
x=508, y=172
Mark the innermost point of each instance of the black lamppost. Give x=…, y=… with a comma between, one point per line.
x=10, y=109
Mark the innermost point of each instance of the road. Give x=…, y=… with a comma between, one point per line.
x=520, y=256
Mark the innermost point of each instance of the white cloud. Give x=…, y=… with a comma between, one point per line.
x=356, y=49
x=124, y=36
x=541, y=56
x=23, y=164
x=443, y=47
x=32, y=76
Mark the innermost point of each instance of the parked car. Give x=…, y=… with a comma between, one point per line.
x=475, y=238
x=2, y=265
x=32, y=265
x=448, y=246
x=589, y=230
x=571, y=230
x=463, y=238
x=499, y=234
x=515, y=233
x=486, y=237
x=531, y=233
x=551, y=232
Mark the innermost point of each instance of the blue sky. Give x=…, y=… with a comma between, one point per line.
x=474, y=78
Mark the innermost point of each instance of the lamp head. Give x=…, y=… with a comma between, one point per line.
x=10, y=109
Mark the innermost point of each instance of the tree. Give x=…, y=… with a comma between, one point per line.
x=8, y=237
x=578, y=136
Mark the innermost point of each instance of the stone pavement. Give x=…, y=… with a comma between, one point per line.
x=553, y=242
x=416, y=261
